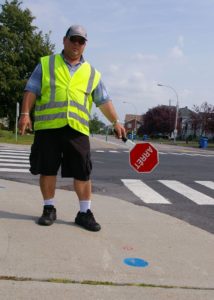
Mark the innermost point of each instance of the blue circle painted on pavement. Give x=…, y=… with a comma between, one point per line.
x=135, y=262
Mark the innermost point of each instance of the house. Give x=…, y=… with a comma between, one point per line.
x=4, y=123
x=133, y=122
x=185, y=122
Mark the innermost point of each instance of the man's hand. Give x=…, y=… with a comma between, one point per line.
x=119, y=130
x=27, y=105
x=24, y=124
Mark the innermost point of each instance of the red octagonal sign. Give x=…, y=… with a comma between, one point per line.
x=143, y=157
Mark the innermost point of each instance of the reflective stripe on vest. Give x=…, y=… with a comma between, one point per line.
x=61, y=108
x=62, y=115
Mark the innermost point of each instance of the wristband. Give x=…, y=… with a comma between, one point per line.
x=25, y=113
x=115, y=122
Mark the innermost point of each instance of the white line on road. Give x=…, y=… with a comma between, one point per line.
x=14, y=170
x=209, y=184
x=188, y=192
x=15, y=160
x=144, y=192
x=14, y=165
x=14, y=151
x=14, y=156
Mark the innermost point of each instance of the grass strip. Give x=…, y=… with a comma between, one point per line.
x=106, y=283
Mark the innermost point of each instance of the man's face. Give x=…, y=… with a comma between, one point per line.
x=74, y=46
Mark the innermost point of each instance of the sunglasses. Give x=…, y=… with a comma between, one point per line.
x=79, y=40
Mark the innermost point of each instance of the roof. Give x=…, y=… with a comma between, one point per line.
x=130, y=117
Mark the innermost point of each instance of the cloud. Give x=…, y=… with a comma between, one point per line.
x=177, y=52
x=181, y=41
x=130, y=83
x=144, y=57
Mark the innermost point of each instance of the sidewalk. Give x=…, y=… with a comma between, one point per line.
x=64, y=261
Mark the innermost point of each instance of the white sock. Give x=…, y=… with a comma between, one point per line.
x=49, y=201
x=85, y=205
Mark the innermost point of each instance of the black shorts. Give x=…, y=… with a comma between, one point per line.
x=63, y=147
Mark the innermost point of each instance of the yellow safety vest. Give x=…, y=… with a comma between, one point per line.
x=65, y=99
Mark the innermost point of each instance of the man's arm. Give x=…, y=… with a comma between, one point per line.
x=27, y=104
x=32, y=92
x=110, y=113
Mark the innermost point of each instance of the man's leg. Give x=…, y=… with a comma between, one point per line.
x=85, y=217
x=83, y=189
x=47, y=187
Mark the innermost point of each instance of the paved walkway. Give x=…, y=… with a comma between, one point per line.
x=64, y=261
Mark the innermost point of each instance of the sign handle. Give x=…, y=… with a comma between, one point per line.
x=128, y=142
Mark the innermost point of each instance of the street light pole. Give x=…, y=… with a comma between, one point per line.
x=135, y=109
x=177, y=109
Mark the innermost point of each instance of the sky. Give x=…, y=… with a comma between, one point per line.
x=138, y=44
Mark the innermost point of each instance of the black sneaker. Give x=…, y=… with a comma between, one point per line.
x=87, y=221
x=48, y=216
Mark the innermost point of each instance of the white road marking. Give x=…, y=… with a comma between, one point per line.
x=209, y=184
x=144, y=192
x=14, y=170
x=14, y=151
x=14, y=156
x=161, y=153
x=15, y=160
x=188, y=192
x=6, y=164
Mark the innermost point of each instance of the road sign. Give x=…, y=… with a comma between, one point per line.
x=143, y=157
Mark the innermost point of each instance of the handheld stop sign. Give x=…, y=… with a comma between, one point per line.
x=143, y=157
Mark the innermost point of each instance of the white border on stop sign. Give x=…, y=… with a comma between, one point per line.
x=131, y=145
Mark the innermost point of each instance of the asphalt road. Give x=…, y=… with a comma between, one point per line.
x=176, y=187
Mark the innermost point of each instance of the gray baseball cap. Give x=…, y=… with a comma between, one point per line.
x=76, y=30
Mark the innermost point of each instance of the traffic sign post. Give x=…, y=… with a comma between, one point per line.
x=17, y=116
x=143, y=157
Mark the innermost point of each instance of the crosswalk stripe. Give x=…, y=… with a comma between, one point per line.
x=6, y=164
x=143, y=191
x=209, y=184
x=8, y=155
x=188, y=192
x=14, y=151
x=14, y=170
x=14, y=160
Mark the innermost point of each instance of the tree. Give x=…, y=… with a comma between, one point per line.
x=160, y=119
x=203, y=118
x=21, y=46
x=95, y=124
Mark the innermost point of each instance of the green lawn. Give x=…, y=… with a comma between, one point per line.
x=10, y=137
x=194, y=144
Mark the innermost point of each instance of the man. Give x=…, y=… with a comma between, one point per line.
x=62, y=88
